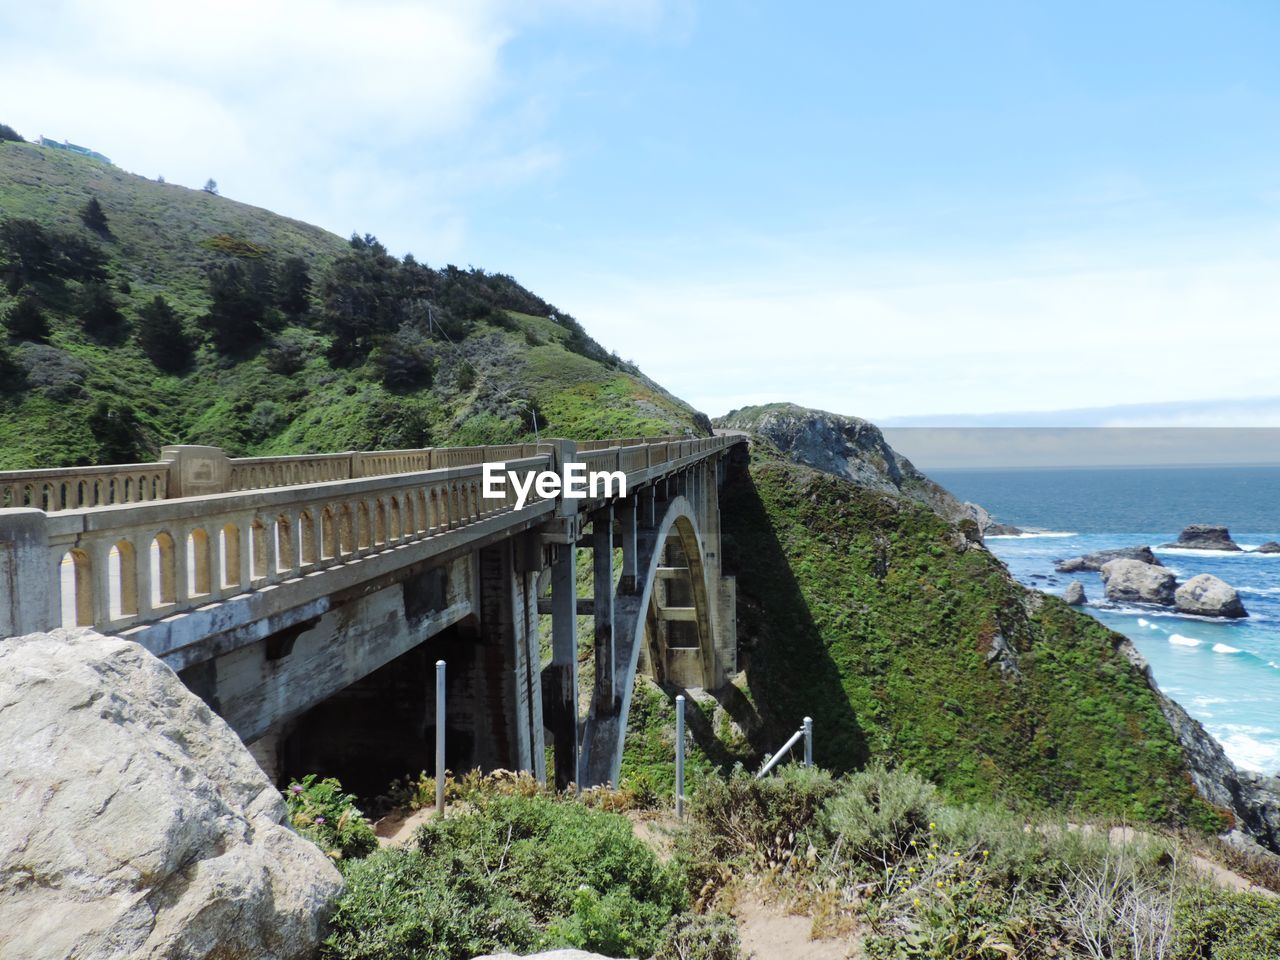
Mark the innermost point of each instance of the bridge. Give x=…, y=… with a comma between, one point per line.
x=306, y=598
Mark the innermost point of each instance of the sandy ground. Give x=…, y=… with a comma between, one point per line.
x=767, y=932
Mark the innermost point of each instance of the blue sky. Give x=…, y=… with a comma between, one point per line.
x=891, y=210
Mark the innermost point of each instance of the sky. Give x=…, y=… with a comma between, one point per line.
x=909, y=210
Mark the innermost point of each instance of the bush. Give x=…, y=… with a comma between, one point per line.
x=321, y=812
x=878, y=814
x=1216, y=925
x=162, y=336
x=692, y=936
x=8, y=133
x=511, y=872
x=26, y=321
x=290, y=351
x=99, y=315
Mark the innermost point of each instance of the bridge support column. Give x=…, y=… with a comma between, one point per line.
x=28, y=599
x=562, y=678
x=509, y=684
x=627, y=530
x=602, y=567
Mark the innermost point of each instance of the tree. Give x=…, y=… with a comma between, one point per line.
x=26, y=320
x=405, y=360
x=12, y=376
x=30, y=253
x=294, y=287
x=162, y=336
x=94, y=217
x=119, y=435
x=211, y=186
x=8, y=133
x=361, y=299
x=99, y=315
x=241, y=294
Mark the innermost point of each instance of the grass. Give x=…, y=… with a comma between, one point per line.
x=874, y=616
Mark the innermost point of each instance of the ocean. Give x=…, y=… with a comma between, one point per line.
x=1225, y=673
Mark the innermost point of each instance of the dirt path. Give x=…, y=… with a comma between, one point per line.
x=767, y=932
x=397, y=827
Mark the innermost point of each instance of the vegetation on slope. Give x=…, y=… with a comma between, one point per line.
x=910, y=644
x=138, y=313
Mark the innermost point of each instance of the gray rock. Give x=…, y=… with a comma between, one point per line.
x=849, y=447
x=1207, y=596
x=1202, y=536
x=1132, y=581
x=1094, y=561
x=1269, y=547
x=1001, y=530
x=136, y=824
x=1005, y=658
x=1074, y=596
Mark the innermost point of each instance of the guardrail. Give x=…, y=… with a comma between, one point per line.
x=74, y=488
x=805, y=731
x=146, y=557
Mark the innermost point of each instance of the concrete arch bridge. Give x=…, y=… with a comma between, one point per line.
x=307, y=598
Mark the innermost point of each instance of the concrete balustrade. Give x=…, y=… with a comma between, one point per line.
x=119, y=566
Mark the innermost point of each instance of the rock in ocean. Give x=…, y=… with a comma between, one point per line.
x=1074, y=596
x=136, y=823
x=1208, y=596
x=1094, y=561
x=1269, y=547
x=1132, y=581
x=1202, y=536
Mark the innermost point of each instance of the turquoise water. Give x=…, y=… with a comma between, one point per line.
x=1226, y=674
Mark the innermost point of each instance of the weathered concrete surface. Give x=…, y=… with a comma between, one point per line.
x=136, y=824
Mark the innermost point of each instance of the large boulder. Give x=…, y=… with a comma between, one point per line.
x=1207, y=596
x=1074, y=596
x=136, y=824
x=1094, y=561
x=1202, y=536
x=1269, y=547
x=1132, y=581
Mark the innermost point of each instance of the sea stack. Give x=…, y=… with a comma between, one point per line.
x=1132, y=581
x=1208, y=596
x=1269, y=547
x=1202, y=536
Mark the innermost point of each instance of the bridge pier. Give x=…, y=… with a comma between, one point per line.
x=606, y=682
x=560, y=680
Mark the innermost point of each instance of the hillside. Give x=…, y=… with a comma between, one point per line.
x=283, y=338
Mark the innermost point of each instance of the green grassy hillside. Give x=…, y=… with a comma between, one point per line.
x=490, y=358
x=908, y=643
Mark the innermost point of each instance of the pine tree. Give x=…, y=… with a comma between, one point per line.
x=26, y=321
x=211, y=186
x=162, y=336
x=99, y=315
x=294, y=287
x=94, y=217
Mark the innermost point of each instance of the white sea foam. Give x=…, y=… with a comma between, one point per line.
x=1030, y=535
x=1144, y=622
x=1179, y=640
x=1261, y=591
x=1251, y=747
x=1223, y=648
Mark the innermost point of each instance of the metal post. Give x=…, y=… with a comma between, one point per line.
x=808, y=741
x=680, y=757
x=440, y=738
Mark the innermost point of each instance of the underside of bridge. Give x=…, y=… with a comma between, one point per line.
x=319, y=643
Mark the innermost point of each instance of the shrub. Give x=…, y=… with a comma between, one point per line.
x=99, y=315
x=1216, y=925
x=94, y=217
x=321, y=812
x=162, y=336
x=26, y=320
x=691, y=936
x=514, y=871
x=878, y=814
x=290, y=351
x=8, y=133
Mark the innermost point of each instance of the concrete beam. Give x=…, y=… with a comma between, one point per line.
x=671, y=573
x=586, y=606
x=684, y=614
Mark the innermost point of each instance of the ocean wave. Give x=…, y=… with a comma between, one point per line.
x=1223, y=648
x=1030, y=535
x=1191, y=552
x=1261, y=591
x=1254, y=748
x=1178, y=640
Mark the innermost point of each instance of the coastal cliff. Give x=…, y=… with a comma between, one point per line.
x=911, y=643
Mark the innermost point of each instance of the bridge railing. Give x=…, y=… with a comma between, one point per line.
x=74, y=488
x=119, y=566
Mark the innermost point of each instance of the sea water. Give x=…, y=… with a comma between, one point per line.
x=1225, y=673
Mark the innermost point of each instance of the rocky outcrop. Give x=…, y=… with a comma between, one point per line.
x=1207, y=596
x=1001, y=530
x=849, y=447
x=1074, y=596
x=136, y=824
x=1201, y=536
x=1095, y=561
x=1132, y=581
x=1269, y=547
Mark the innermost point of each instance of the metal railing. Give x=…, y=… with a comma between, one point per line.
x=805, y=732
